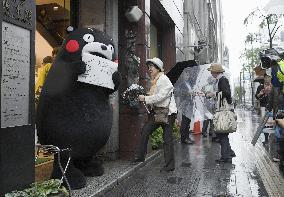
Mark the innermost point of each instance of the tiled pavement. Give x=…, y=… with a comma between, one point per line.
x=252, y=172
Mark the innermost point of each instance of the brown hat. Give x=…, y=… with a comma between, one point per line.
x=216, y=68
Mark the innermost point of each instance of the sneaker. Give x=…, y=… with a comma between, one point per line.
x=275, y=159
x=204, y=134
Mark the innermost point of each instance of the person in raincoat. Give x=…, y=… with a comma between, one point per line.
x=209, y=105
x=185, y=98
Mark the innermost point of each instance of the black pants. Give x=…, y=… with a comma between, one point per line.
x=205, y=125
x=148, y=129
x=184, y=128
x=226, y=150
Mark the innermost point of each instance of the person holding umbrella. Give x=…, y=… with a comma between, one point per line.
x=160, y=95
x=209, y=105
x=185, y=95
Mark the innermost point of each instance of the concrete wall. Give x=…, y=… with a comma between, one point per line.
x=203, y=21
x=174, y=9
x=112, y=30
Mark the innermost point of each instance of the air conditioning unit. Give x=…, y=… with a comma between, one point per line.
x=133, y=14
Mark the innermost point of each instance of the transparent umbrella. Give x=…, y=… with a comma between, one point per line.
x=191, y=82
x=274, y=7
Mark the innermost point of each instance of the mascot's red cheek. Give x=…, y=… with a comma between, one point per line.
x=72, y=46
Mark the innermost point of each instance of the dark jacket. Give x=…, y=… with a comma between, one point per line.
x=275, y=100
x=224, y=87
x=263, y=100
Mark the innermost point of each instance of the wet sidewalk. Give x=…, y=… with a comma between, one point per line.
x=262, y=154
x=251, y=173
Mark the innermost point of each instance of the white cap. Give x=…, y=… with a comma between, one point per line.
x=157, y=62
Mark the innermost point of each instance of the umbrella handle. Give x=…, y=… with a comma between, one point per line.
x=146, y=107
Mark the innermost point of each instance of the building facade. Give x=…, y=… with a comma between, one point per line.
x=203, y=29
x=159, y=33
x=173, y=30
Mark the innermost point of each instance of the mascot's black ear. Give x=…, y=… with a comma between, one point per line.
x=69, y=29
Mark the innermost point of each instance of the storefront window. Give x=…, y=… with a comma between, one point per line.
x=52, y=19
x=154, y=41
x=93, y=18
x=155, y=45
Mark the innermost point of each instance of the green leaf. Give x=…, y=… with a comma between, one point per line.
x=43, y=189
x=156, y=137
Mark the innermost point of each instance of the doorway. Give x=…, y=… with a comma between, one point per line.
x=52, y=19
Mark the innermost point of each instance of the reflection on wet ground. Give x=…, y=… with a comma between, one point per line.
x=251, y=172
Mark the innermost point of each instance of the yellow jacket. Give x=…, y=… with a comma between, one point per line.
x=280, y=74
x=42, y=73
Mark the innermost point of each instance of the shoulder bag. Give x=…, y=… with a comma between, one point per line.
x=224, y=120
x=161, y=114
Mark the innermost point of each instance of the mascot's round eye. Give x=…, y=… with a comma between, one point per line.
x=88, y=38
x=111, y=47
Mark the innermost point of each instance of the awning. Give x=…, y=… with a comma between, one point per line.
x=177, y=69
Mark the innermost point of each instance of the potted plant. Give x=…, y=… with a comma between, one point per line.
x=50, y=188
x=43, y=165
x=156, y=137
x=43, y=169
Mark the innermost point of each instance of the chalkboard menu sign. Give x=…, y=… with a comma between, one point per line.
x=15, y=75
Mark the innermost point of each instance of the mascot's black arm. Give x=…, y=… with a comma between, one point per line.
x=79, y=67
x=116, y=78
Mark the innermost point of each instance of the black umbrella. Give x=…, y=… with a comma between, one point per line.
x=259, y=79
x=177, y=69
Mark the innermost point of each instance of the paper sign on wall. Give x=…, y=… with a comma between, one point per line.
x=98, y=71
x=15, y=78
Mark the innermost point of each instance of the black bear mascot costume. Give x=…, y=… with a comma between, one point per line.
x=73, y=114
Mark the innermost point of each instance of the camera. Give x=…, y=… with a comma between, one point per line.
x=270, y=57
